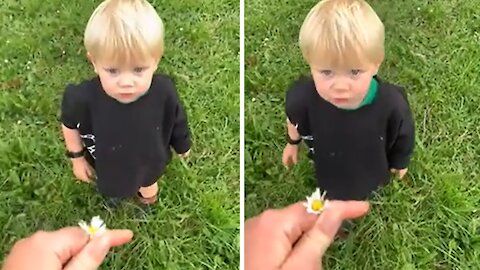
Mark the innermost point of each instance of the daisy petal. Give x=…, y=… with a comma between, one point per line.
x=83, y=225
x=97, y=222
x=318, y=199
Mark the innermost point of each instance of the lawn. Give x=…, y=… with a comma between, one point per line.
x=430, y=220
x=195, y=225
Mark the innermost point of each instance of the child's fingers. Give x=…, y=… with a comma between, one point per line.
x=89, y=173
x=86, y=175
x=87, y=178
x=288, y=163
x=80, y=175
x=83, y=178
x=285, y=160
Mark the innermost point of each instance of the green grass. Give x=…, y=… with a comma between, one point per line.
x=432, y=219
x=196, y=222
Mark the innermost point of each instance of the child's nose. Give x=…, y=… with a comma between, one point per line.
x=126, y=81
x=340, y=86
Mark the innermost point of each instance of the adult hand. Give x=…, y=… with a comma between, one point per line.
x=290, y=238
x=68, y=248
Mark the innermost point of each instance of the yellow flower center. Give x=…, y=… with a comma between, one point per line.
x=92, y=230
x=317, y=205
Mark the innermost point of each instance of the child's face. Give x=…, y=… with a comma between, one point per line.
x=126, y=83
x=344, y=88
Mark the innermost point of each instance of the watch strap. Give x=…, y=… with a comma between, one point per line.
x=292, y=141
x=78, y=154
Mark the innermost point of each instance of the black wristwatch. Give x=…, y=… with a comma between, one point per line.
x=75, y=154
x=293, y=142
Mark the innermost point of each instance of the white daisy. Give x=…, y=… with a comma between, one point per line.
x=96, y=227
x=316, y=203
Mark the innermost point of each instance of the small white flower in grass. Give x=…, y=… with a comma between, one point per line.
x=95, y=228
x=316, y=202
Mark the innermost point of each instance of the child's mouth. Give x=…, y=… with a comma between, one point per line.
x=340, y=100
x=126, y=95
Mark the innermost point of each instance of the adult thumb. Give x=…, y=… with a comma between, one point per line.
x=93, y=254
x=308, y=252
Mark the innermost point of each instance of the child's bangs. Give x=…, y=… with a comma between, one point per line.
x=122, y=52
x=339, y=60
x=341, y=54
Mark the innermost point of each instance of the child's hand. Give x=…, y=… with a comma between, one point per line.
x=290, y=155
x=399, y=172
x=82, y=170
x=184, y=155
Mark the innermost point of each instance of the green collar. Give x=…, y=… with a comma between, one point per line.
x=370, y=96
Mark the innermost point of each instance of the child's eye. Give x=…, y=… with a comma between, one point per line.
x=112, y=71
x=139, y=69
x=355, y=72
x=326, y=72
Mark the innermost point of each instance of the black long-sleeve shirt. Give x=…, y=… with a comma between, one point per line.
x=353, y=150
x=129, y=142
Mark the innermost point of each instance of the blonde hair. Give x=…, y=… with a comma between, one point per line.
x=342, y=33
x=124, y=31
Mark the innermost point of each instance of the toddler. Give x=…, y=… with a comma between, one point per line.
x=119, y=126
x=358, y=128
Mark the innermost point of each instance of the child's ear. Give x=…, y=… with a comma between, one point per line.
x=378, y=64
x=90, y=58
x=157, y=61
